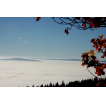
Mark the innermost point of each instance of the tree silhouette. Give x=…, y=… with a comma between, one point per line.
x=63, y=84
x=50, y=85
x=82, y=23
x=57, y=84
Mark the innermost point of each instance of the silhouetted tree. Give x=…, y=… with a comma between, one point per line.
x=32, y=85
x=81, y=23
x=57, y=84
x=63, y=84
x=41, y=85
x=50, y=85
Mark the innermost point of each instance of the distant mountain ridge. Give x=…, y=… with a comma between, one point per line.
x=23, y=59
x=66, y=59
x=19, y=59
x=73, y=60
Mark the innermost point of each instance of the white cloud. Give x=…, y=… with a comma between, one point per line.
x=19, y=38
x=25, y=41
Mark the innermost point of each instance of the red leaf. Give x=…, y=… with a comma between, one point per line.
x=91, y=24
x=101, y=36
x=66, y=31
x=84, y=24
x=37, y=18
x=82, y=18
x=102, y=56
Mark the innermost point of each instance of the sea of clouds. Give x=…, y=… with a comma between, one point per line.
x=15, y=72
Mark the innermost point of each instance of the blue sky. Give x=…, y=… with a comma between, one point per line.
x=25, y=37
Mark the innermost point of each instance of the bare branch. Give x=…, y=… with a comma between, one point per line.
x=99, y=21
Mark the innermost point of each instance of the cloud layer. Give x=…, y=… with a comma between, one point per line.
x=23, y=72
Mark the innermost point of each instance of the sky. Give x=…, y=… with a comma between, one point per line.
x=25, y=37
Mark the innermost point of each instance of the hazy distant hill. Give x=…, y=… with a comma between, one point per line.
x=22, y=59
x=66, y=59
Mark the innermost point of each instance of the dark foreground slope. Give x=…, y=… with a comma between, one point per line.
x=83, y=83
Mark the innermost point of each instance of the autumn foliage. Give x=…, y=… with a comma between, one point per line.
x=99, y=66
